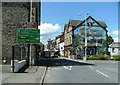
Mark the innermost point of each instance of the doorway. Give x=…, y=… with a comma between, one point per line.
x=90, y=51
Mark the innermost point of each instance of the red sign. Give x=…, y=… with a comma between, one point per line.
x=30, y=25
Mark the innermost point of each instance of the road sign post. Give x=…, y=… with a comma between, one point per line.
x=28, y=36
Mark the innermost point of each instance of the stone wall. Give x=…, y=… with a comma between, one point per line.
x=0, y=32
x=14, y=15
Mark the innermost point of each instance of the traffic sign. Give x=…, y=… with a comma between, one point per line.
x=30, y=25
x=28, y=36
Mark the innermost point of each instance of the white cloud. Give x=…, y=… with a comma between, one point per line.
x=116, y=32
x=47, y=30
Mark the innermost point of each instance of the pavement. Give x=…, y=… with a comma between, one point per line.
x=32, y=75
x=91, y=61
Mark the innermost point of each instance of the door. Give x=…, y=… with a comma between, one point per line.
x=90, y=51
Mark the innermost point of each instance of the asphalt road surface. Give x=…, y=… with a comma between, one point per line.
x=68, y=71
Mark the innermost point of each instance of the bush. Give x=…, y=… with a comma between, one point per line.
x=116, y=57
x=111, y=58
x=105, y=56
x=93, y=58
x=102, y=57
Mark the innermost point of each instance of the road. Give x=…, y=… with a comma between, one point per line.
x=68, y=71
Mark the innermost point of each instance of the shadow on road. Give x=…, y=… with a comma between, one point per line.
x=53, y=62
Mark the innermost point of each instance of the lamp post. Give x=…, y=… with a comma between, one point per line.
x=85, y=35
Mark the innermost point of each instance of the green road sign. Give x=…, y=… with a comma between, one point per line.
x=28, y=36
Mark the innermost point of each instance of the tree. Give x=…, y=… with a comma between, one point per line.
x=110, y=40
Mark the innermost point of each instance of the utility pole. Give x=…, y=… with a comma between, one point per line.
x=36, y=46
x=30, y=21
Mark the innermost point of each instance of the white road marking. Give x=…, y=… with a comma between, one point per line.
x=65, y=67
x=102, y=73
x=99, y=71
x=90, y=66
x=68, y=67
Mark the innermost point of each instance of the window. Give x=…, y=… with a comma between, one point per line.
x=113, y=50
x=119, y=49
x=70, y=40
x=67, y=30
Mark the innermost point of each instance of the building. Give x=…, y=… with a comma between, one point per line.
x=57, y=48
x=114, y=49
x=45, y=47
x=15, y=15
x=68, y=37
x=61, y=44
x=75, y=38
x=49, y=45
x=41, y=50
x=53, y=47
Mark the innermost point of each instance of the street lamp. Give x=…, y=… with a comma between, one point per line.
x=85, y=36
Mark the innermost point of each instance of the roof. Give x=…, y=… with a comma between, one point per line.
x=102, y=23
x=66, y=26
x=115, y=45
x=58, y=36
x=75, y=22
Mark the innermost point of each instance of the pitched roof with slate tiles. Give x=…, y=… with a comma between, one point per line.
x=102, y=23
x=75, y=23
x=115, y=45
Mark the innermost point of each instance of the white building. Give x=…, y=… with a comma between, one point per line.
x=114, y=48
x=61, y=45
x=45, y=48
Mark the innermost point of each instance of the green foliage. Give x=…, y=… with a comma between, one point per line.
x=102, y=57
x=93, y=58
x=111, y=58
x=75, y=48
x=105, y=56
x=116, y=57
x=110, y=40
x=102, y=49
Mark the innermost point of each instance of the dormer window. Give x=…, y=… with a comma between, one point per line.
x=67, y=30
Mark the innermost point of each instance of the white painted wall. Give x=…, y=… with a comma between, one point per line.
x=61, y=45
x=45, y=48
x=115, y=52
x=18, y=65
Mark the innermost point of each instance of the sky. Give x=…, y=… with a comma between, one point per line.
x=54, y=15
